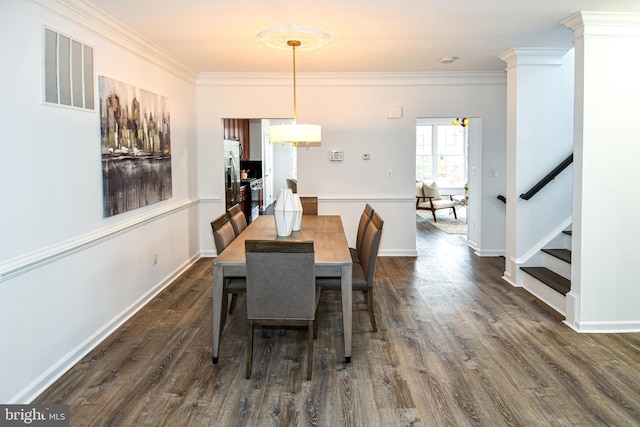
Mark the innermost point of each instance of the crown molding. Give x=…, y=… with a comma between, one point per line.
x=353, y=79
x=534, y=56
x=604, y=24
x=97, y=21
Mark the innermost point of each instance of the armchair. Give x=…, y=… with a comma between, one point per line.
x=428, y=198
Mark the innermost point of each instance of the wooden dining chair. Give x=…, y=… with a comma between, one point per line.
x=362, y=274
x=309, y=205
x=292, y=184
x=365, y=218
x=281, y=289
x=237, y=219
x=223, y=235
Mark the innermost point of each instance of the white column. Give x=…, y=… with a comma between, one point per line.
x=539, y=137
x=605, y=289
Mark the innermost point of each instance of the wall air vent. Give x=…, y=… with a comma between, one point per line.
x=68, y=71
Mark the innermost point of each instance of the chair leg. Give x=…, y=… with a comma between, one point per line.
x=433, y=212
x=223, y=314
x=370, y=308
x=249, y=347
x=454, y=213
x=315, y=328
x=234, y=298
x=310, y=349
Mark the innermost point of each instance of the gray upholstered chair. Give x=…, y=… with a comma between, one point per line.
x=237, y=219
x=363, y=274
x=287, y=294
x=223, y=235
x=309, y=205
x=365, y=218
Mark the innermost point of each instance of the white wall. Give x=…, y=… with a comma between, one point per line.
x=68, y=276
x=352, y=110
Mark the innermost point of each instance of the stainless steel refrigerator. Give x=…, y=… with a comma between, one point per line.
x=232, y=156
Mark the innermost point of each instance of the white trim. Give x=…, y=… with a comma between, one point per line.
x=603, y=24
x=350, y=198
x=398, y=252
x=544, y=242
x=534, y=56
x=546, y=294
x=606, y=327
x=490, y=252
x=40, y=384
x=227, y=79
x=36, y=259
x=95, y=20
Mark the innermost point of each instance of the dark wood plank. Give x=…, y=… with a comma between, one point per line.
x=550, y=278
x=563, y=254
x=456, y=345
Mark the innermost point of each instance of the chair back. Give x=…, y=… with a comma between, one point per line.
x=309, y=205
x=280, y=280
x=223, y=233
x=237, y=219
x=365, y=218
x=292, y=185
x=369, y=248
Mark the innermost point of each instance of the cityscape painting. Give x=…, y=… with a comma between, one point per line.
x=136, y=147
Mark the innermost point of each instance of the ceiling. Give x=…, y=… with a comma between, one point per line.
x=369, y=35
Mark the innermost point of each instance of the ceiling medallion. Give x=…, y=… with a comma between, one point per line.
x=309, y=38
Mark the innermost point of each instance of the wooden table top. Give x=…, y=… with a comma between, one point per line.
x=326, y=232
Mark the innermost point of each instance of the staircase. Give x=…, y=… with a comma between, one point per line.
x=552, y=281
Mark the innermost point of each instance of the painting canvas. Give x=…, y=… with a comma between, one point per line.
x=136, y=146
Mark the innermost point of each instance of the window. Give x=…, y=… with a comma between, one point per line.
x=441, y=153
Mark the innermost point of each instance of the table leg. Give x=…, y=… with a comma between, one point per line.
x=347, y=295
x=217, y=296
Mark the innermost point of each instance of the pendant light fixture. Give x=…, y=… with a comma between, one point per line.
x=293, y=37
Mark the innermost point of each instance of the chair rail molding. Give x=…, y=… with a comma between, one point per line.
x=36, y=259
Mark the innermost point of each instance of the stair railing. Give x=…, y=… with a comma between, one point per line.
x=544, y=181
x=548, y=178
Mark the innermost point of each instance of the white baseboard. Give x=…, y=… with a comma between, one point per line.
x=612, y=327
x=398, y=252
x=40, y=384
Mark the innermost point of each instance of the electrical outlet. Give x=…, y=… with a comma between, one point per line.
x=155, y=258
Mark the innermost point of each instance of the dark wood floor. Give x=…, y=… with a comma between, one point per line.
x=456, y=345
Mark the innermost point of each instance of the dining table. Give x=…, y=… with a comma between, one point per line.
x=332, y=259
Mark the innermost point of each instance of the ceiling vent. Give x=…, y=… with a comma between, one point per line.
x=68, y=71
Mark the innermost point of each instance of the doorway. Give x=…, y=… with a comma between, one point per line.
x=260, y=161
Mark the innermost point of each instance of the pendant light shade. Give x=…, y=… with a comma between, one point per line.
x=314, y=39
x=295, y=133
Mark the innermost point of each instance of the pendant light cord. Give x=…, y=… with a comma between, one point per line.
x=293, y=44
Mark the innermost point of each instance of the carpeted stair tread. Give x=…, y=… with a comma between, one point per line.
x=549, y=278
x=563, y=254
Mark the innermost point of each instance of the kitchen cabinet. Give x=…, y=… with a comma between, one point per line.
x=245, y=202
x=238, y=130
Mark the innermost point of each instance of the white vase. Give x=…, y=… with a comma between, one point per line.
x=284, y=212
x=297, y=219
